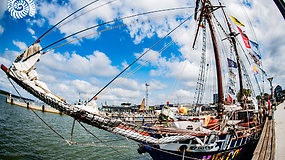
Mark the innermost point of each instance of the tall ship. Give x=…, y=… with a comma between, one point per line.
x=231, y=131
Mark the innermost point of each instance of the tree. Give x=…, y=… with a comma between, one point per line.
x=246, y=92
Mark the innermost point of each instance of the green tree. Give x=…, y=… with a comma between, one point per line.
x=246, y=92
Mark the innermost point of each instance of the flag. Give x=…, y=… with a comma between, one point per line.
x=231, y=82
x=263, y=71
x=232, y=74
x=256, y=61
x=237, y=21
x=254, y=44
x=255, y=69
x=256, y=54
x=245, y=38
x=229, y=99
x=231, y=91
x=231, y=63
x=202, y=26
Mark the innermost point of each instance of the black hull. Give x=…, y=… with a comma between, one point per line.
x=239, y=153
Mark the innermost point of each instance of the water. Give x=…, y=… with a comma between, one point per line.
x=24, y=136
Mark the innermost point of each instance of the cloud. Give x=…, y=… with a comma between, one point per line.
x=1, y=29
x=21, y=45
x=3, y=8
x=31, y=31
x=96, y=64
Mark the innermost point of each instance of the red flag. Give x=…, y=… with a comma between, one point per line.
x=245, y=38
x=230, y=99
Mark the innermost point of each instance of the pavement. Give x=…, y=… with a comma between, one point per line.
x=279, y=118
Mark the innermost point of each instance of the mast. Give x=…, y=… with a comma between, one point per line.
x=233, y=41
x=206, y=12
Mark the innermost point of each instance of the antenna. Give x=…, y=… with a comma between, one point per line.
x=146, y=94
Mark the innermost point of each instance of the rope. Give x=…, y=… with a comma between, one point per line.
x=140, y=57
x=115, y=20
x=77, y=17
x=136, y=69
x=36, y=113
x=98, y=138
x=67, y=17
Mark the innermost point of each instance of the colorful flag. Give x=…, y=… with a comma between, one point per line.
x=202, y=26
x=232, y=74
x=229, y=99
x=254, y=44
x=256, y=61
x=231, y=91
x=231, y=63
x=237, y=21
x=263, y=71
x=245, y=38
x=255, y=69
x=256, y=54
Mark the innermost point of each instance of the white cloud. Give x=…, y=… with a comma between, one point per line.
x=21, y=45
x=3, y=8
x=1, y=29
x=266, y=20
x=95, y=64
x=31, y=31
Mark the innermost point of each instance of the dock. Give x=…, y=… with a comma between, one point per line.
x=271, y=144
x=279, y=119
x=32, y=105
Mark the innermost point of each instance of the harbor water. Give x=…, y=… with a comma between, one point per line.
x=24, y=136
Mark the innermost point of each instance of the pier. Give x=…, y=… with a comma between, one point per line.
x=271, y=143
x=32, y=105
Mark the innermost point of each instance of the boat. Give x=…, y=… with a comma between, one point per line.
x=232, y=132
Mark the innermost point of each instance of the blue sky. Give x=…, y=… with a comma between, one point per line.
x=87, y=65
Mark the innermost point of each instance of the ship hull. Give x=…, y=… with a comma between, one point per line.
x=241, y=152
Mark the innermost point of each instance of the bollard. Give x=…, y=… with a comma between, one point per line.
x=43, y=108
x=28, y=105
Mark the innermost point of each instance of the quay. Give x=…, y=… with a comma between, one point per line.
x=32, y=105
x=279, y=119
x=271, y=145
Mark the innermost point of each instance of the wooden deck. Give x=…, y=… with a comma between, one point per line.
x=265, y=149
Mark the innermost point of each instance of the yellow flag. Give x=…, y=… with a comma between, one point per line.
x=255, y=69
x=237, y=21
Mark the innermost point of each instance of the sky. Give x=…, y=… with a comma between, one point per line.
x=81, y=68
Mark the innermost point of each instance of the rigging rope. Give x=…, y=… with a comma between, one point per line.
x=98, y=138
x=111, y=21
x=137, y=68
x=66, y=18
x=77, y=17
x=36, y=113
x=140, y=57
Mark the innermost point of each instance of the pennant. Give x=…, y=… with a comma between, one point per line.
x=229, y=99
x=231, y=91
x=237, y=21
x=202, y=26
x=232, y=74
x=231, y=63
x=254, y=44
x=245, y=38
x=256, y=61
x=255, y=69
x=256, y=54
x=231, y=82
x=263, y=71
